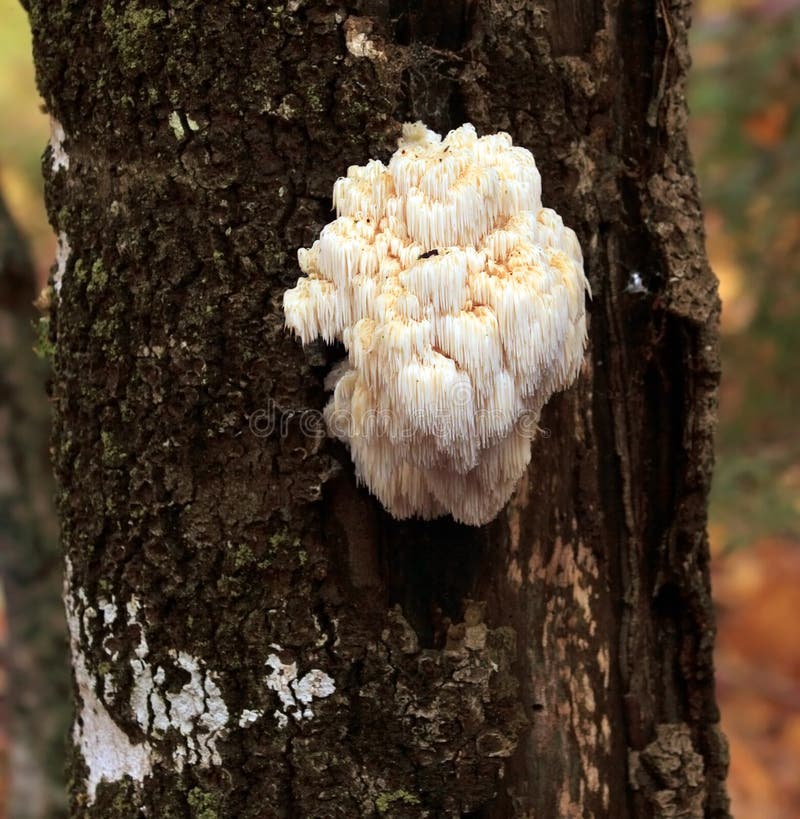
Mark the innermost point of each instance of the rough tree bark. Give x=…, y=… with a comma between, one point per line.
x=252, y=635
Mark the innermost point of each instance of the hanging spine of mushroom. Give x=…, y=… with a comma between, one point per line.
x=460, y=302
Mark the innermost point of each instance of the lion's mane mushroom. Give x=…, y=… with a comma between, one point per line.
x=460, y=301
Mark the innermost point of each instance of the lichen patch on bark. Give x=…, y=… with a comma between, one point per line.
x=107, y=751
x=295, y=693
x=59, y=158
x=181, y=726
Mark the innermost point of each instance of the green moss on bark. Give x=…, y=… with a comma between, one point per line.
x=133, y=28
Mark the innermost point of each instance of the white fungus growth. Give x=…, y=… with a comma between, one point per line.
x=460, y=302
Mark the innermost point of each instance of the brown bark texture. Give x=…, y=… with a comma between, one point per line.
x=253, y=636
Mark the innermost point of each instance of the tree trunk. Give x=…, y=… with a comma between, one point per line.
x=252, y=635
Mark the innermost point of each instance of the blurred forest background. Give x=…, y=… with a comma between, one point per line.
x=745, y=129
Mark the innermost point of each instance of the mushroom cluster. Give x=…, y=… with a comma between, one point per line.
x=460, y=302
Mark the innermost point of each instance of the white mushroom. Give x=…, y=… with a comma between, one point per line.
x=460, y=301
